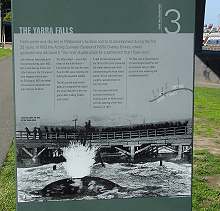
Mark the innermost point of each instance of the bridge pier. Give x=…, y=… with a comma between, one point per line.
x=35, y=157
x=180, y=152
x=132, y=148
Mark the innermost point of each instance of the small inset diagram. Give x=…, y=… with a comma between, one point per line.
x=160, y=93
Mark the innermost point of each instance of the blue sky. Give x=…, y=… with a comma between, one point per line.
x=212, y=12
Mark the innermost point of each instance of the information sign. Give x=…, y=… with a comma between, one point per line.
x=104, y=104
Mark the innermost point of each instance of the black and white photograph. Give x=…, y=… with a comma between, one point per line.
x=111, y=125
x=97, y=162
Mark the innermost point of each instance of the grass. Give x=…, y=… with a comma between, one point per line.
x=5, y=52
x=207, y=124
x=7, y=172
x=7, y=183
x=207, y=112
x=205, y=197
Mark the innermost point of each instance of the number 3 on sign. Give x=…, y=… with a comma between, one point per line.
x=174, y=21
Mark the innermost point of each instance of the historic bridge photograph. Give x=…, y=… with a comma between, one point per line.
x=97, y=162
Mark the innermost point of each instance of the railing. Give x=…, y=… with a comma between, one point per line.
x=211, y=47
x=171, y=131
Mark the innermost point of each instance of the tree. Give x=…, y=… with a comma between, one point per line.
x=8, y=17
x=5, y=7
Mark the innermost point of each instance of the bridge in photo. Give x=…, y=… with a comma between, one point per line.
x=130, y=143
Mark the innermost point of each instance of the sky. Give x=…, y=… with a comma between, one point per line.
x=212, y=12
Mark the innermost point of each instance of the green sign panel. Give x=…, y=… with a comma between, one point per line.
x=104, y=99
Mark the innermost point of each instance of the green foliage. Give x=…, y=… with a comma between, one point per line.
x=7, y=182
x=8, y=17
x=4, y=2
x=5, y=52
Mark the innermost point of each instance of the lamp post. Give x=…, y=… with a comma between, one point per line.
x=75, y=120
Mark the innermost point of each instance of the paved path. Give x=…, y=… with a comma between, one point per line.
x=207, y=84
x=6, y=107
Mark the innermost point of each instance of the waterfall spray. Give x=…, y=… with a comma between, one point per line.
x=79, y=160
